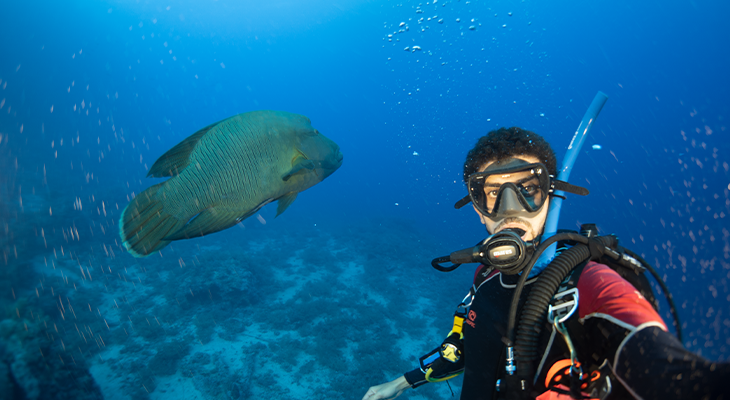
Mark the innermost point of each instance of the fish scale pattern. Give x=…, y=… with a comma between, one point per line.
x=225, y=173
x=230, y=169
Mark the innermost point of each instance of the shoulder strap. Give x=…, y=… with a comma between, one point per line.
x=637, y=279
x=482, y=274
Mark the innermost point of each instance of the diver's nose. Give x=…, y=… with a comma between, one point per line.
x=510, y=204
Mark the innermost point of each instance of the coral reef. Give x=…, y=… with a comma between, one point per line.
x=31, y=367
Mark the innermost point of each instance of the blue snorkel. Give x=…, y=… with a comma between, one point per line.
x=551, y=224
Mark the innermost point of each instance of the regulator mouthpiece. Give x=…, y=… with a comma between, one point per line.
x=504, y=251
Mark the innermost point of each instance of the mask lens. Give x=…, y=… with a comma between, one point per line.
x=530, y=184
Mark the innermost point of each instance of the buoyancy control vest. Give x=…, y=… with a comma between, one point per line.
x=521, y=361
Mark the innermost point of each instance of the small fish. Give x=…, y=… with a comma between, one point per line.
x=596, y=147
x=225, y=173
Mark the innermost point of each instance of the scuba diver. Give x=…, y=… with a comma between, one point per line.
x=583, y=326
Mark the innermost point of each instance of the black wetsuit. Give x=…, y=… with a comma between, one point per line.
x=619, y=330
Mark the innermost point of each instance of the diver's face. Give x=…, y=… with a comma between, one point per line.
x=533, y=226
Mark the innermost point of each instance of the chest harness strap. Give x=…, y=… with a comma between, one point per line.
x=569, y=374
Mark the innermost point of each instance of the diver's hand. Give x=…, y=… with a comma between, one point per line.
x=388, y=391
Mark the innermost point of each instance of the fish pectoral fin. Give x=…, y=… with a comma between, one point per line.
x=300, y=166
x=177, y=158
x=208, y=221
x=285, y=201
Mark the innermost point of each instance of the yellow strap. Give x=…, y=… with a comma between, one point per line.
x=433, y=380
x=458, y=325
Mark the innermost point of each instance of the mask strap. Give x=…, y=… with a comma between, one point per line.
x=567, y=187
x=464, y=201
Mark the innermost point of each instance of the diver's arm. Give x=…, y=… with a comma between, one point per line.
x=388, y=390
x=645, y=357
x=653, y=364
x=415, y=378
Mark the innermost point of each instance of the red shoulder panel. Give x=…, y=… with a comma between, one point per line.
x=602, y=290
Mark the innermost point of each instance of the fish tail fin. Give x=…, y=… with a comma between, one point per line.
x=144, y=223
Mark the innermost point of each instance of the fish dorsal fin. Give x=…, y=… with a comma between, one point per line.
x=300, y=165
x=284, y=202
x=177, y=158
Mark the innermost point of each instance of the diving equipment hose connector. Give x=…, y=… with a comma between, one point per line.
x=510, y=367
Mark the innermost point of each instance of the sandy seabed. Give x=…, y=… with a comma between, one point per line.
x=276, y=313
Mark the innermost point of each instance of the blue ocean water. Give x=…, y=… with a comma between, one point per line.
x=336, y=294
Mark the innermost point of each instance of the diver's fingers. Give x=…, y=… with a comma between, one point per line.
x=387, y=391
x=396, y=395
x=369, y=394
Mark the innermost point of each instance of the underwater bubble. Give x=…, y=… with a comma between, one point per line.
x=472, y=28
x=596, y=147
x=458, y=20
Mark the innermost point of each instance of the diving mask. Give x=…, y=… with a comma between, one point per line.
x=515, y=188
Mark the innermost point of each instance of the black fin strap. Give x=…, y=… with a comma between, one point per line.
x=567, y=187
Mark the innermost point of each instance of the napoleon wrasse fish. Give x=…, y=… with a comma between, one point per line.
x=223, y=174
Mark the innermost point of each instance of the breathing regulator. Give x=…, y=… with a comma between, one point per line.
x=505, y=251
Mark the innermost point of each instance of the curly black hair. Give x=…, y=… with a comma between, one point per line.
x=509, y=142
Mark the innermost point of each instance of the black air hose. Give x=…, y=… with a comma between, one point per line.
x=535, y=310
